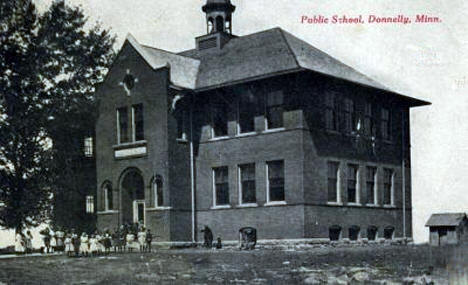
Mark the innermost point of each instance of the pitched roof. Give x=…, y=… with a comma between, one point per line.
x=183, y=70
x=255, y=56
x=446, y=219
x=267, y=53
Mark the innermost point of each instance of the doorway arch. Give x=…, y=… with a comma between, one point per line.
x=132, y=196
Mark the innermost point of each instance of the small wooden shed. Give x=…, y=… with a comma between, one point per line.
x=448, y=229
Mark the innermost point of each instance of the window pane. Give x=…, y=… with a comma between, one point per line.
x=247, y=173
x=274, y=112
x=180, y=117
x=370, y=185
x=139, y=126
x=352, y=179
x=388, y=173
x=248, y=105
x=219, y=112
x=386, y=124
x=276, y=180
x=159, y=193
x=110, y=198
x=333, y=181
x=88, y=147
x=221, y=186
x=123, y=124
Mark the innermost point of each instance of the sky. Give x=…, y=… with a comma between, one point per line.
x=428, y=61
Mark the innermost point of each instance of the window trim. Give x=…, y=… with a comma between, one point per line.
x=338, y=201
x=357, y=195
x=239, y=183
x=392, y=187
x=215, y=204
x=154, y=189
x=89, y=202
x=134, y=132
x=266, y=108
x=268, y=201
x=238, y=125
x=375, y=187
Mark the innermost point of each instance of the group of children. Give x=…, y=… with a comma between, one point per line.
x=127, y=238
x=23, y=242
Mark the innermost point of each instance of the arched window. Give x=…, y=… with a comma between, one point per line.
x=388, y=232
x=107, y=197
x=210, y=26
x=335, y=233
x=158, y=196
x=219, y=24
x=353, y=232
x=372, y=233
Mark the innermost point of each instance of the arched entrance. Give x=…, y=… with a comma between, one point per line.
x=133, y=197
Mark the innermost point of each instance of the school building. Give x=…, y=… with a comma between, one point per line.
x=262, y=130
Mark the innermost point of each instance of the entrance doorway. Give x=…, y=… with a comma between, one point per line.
x=139, y=212
x=133, y=197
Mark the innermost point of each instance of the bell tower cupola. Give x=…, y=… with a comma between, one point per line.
x=219, y=16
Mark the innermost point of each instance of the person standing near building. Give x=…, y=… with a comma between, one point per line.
x=19, y=242
x=46, y=238
x=29, y=238
x=142, y=239
x=149, y=240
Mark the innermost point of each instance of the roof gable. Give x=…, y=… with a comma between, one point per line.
x=183, y=70
x=447, y=219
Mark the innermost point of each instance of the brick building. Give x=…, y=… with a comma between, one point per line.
x=262, y=130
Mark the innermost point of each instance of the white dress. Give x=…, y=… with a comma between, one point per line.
x=19, y=243
x=131, y=241
x=93, y=245
x=68, y=245
x=84, y=248
x=142, y=238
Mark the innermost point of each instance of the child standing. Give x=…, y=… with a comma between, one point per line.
x=142, y=239
x=53, y=242
x=149, y=239
x=69, y=249
x=93, y=245
x=107, y=242
x=19, y=242
x=84, y=244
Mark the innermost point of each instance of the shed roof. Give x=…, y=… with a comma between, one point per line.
x=445, y=219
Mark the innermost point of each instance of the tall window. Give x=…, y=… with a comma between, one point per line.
x=370, y=185
x=274, y=109
x=247, y=183
x=108, y=198
x=221, y=186
x=89, y=204
x=331, y=115
x=219, y=116
x=138, y=125
x=349, y=116
x=385, y=124
x=275, y=182
x=247, y=111
x=388, y=187
x=122, y=125
x=88, y=147
x=333, y=192
x=352, y=183
x=158, y=195
x=369, y=127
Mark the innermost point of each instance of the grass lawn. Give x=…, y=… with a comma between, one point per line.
x=227, y=266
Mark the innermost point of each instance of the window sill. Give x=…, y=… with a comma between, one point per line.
x=239, y=135
x=220, y=207
x=275, y=203
x=372, y=205
x=108, y=212
x=158, y=209
x=181, y=140
x=275, y=130
x=354, y=204
x=250, y=205
x=389, y=206
x=334, y=203
x=218, y=138
x=129, y=144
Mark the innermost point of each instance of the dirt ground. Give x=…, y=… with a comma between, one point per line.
x=361, y=265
